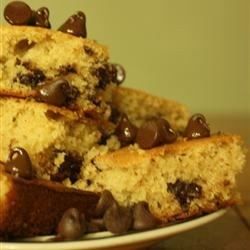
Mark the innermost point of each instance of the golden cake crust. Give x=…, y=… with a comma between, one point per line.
x=132, y=156
x=34, y=207
x=179, y=180
x=38, y=34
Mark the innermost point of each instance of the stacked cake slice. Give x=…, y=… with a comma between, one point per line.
x=32, y=59
x=65, y=120
x=58, y=95
x=51, y=87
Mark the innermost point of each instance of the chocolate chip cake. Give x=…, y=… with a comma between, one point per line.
x=34, y=207
x=178, y=180
x=129, y=101
x=52, y=136
x=34, y=59
x=56, y=137
x=64, y=119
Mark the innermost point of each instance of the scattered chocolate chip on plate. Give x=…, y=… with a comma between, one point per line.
x=96, y=241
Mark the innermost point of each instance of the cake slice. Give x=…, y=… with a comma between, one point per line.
x=32, y=58
x=52, y=136
x=141, y=106
x=55, y=136
x=179, y=180
x=34, y=207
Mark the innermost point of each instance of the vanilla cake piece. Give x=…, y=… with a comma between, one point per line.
x=179, y=180
x=52, y=136
x=141, y=106
x=34, y=57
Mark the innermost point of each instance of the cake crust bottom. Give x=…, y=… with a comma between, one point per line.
x=32, y=208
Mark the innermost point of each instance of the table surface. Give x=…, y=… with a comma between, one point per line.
x=231, y=231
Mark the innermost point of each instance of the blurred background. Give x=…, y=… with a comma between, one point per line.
x=196, y=52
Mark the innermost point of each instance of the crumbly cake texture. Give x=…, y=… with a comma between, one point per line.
x=134, y=175
x=27, y=51
x=141, y=106
x=46, y=132
x=30, y=208
x=50, y=133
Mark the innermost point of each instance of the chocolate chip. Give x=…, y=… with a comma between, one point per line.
x=18, y=13
x=118, y=219
x=115, y=115
x=148, y=135
x=41, y=18
x=75, y=25
x=23, y=45
x=51, y=114
x=32, y=79
x=110, y=73
x=194, y=191
x=154, y=133
x=89, y=182
x=70, y=168
x=72, y=225
x=58, y=93
x=105, y=201
x=95, y=225
x=104, y=138
x=185, y=192
x=168, y=135
x=89, y=51
x=118, y=74
x=103, y=75
x=143, y=219
x=19, y=163
x=197, y=127
x=67, y=69
x=18, y=62
x=125, y=131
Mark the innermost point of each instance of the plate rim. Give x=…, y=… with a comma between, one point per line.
x=115, y=240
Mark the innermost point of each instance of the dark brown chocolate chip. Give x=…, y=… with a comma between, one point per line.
x=23, y=45
x=32, y=79
x=19, y=163
x=18, y=13
x=154, y=133
x=143, y=219
x=115, y=115
x=89, y=51
x=168, y=135
x=18, y=62
x=118, y=73
x=105, y=201
x=104, y=138
x=149, y=135
x=51, y=114
x=70, y=168
x=59, y=93
x=67, y=69
x=41, y=18
x=96, y=225
x=125, y=131
x=118, y=219
x=103, y=75
x=197, y=127
x=110, y=73
x=72, y=225
x=185, y=192
x=75, y=25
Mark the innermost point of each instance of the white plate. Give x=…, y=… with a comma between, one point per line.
x=105, y=240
